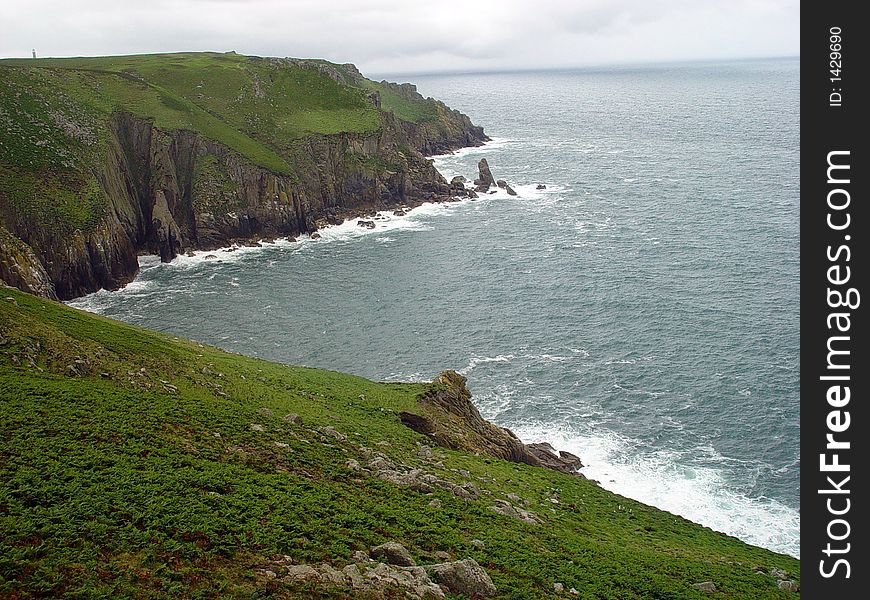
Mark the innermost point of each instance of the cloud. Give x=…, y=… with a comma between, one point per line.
x=410, y=35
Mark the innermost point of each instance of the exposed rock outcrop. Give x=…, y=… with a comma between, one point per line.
x=485, y=175
x=457, y=424
x=553, y=459
x=464, y=577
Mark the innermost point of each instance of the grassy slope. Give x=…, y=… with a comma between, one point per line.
x=112, y=484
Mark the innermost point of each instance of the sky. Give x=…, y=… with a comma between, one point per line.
x=411, y=36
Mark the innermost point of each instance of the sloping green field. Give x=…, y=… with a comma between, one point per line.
x=135, y=464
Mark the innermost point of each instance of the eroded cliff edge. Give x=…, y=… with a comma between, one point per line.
x=102, y=161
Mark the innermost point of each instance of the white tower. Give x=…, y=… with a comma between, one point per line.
x=34, y=53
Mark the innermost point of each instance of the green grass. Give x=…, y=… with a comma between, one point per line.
x=112, y=484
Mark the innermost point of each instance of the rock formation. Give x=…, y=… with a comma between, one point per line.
x=457, y=424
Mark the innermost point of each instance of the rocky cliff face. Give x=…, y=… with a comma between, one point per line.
x=168, y=191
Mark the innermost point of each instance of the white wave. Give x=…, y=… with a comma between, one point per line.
x=699, y=494
x=479, y=360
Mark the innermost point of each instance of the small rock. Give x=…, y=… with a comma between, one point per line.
x=705, y=586
x=315, y=236
x=292, y=418
x=479, y=544
x=352, y=465
x=541, y=186
x=332, y=432
x=257, y=427
x=558, y=587
x=282, y=445
x=360, y=557
x=210, y=257
x=509, y=190
x=442, y=555
x=436, y=503
x=574, y=592
x=424, y=453
x=301, y=573
x=394, y=553
x=778, y=573
x=464, y=577
x=789, y=585
x=501, y=183
x=265, y=412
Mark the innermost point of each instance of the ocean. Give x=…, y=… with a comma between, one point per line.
x=641, y=311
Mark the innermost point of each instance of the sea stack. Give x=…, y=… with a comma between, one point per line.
x=485, y=175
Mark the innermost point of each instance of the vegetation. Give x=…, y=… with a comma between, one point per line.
x=129, y=467
x=56, y=115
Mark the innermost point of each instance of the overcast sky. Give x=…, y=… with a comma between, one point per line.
x=407, y=36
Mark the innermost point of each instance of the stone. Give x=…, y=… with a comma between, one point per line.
x=399, y=212
x=479, y=544
x=257, y=427
x=436, y=503
x=789, y=585
x=558, y=587
x=540, y=186
x=705, y=586
x=332, y=432
x=501, y=183
x=366, y=224
x=265, y=412
x=360, y=557
x=464, y=577
x=509, y=190
x=549, y=457
x=424, y=453
x=301, y=573
x=507, y=509
x=458, y=181
x=292, y=418
x=485, y=174
x=778, y=573
x=352, y=465
x=394, y=553
x=315, y=236
x=442, y=555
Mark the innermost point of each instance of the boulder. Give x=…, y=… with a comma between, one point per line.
x=705, y=586
x=564, y=462
x=292, y=418
x=464, y=577
x=540, y=186
x=509, y=190
x=366, y=224
x=393, y=553
x=315, y=236
x=399, y=212
x=458, y=181
x=485, y=175
x=789, y=585
x=501, y=183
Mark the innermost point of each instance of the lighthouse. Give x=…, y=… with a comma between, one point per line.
x=34, y=53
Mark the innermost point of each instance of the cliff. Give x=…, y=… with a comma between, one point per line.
x=102, y=159
x=135, y=464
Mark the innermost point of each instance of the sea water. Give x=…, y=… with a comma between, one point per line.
x=641, y=311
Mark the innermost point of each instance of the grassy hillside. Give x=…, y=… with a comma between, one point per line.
x=247, y=103
x=135, y=464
